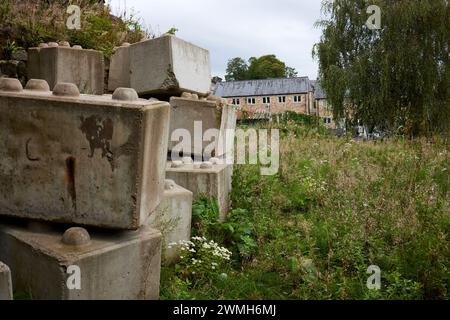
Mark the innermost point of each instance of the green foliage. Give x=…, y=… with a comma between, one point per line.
x=265, y=67
x=237, y=69
x=23, y=295
x=395, y=78
x=236, y=233
x=29, y=23
x=172, y=31
x=9, y=49
x=335, y=208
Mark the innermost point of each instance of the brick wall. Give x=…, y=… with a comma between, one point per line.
x=304, y=105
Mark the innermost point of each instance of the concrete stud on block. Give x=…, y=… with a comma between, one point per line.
x=177, y=164
x=53, y=44
x=125, y=94
x=169, y=184
x=215, y=161
x=10, y=84
x=37, y=85
x=187, y=160
x=64, y=89
x=76, y=237
x=77, y=47
x=186, y=95
x=206, y=165
x=64, y=44
x=43, y=45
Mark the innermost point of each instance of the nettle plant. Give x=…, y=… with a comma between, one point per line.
x=201, y=258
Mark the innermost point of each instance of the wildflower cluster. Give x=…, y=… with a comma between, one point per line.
x=201, y=258
x=313, y=186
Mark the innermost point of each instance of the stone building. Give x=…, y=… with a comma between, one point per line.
x=321, y=104
x=276, y=96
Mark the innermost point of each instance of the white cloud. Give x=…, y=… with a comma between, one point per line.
x=238, y=28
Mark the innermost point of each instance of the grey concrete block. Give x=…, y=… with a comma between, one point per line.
x=119, y=69
x=89, y=160
x=173, y=218
x=6, y=292
x=85, y=68
x=212, y=180
x=165, y=65
x=108, y=265
x=199, y=116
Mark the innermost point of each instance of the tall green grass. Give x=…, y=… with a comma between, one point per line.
x=335, y=208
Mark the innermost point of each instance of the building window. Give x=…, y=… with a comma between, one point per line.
x=266, y=100
x=236, y=101
x=297, y=99
x=251, y=100
x=282, y=99
x=327, y=120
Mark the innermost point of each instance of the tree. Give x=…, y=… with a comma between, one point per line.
x=216, y=79
x=291, y=72
x=236, y=70
x=268, y=66
x=395, y=77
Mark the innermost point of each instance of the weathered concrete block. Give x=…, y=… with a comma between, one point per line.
x=85, y=68
x=165, y=65
x=5, y=282
x=89, y=160
x=212, y=180
x=54, y=265
x=198, y=117
x=173, y=218
x=119, y=68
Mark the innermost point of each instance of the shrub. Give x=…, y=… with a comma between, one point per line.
x=29, y=23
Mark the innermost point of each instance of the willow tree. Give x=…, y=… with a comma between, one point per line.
x=393, y=76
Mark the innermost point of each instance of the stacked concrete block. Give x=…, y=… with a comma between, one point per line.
x=173, y=219
x=53, y=264
x=56, y=63
x=163, y=66
x=200, y=119
x=210, y=179
x=5, y=282
x=89, y=160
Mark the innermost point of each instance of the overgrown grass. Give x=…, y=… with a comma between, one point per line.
x=29, y=23
x=335, y=208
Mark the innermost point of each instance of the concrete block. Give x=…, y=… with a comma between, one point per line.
x=6, y=292
x=212, y=180
x=173, y=218
x=198, y=117
x=58, y=63
x=89, y=160
x=165, y=65
x=119, y=68
x=76, y=265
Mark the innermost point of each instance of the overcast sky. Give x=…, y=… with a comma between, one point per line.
x=237, y=28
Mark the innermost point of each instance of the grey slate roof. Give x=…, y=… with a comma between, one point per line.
x=267, y=87
x=319, y=94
